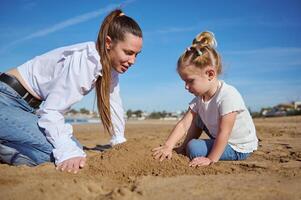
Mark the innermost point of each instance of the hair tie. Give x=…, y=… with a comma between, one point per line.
x=121, y=14
x=199, y=51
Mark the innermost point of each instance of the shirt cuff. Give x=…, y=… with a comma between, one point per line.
x=117, y=139
x=67, y=148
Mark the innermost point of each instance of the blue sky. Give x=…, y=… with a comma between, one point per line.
x=259, y=41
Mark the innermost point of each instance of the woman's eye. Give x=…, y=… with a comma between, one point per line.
x=128, y=53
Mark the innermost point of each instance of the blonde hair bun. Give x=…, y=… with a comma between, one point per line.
x=205, y=38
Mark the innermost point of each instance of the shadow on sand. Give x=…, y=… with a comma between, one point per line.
x=98, y=147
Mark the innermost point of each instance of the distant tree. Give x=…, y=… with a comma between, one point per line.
x=293, y=112
x=84, y=111
x=155, y=115
x=164, y=114
x=73, y=111
x=256, y=114
x=138, y=113
x=158, y=115
x=129, y=113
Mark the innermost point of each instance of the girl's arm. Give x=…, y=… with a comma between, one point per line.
x=176, y=134
x=225, y=129
x=193, y=132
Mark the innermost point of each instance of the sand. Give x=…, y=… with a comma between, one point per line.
x=129, y=172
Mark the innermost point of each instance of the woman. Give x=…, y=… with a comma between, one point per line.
x=59, y=79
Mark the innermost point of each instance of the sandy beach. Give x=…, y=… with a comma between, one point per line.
x=128, y=171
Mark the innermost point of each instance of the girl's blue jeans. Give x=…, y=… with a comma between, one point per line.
x=202, y=147
x=21, y=139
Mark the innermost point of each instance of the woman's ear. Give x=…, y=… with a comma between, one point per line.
x=108, y=42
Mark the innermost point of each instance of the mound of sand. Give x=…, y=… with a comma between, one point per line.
x=128, y=171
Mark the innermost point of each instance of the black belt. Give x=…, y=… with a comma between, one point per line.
x=18, y=87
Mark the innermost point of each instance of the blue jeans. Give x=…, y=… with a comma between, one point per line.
x=21, y=139
x=200, y=147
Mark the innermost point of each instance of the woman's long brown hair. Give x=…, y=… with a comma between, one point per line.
x=115, y=25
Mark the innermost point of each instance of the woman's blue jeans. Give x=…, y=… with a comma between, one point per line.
x=202, y=147
x=21, y=139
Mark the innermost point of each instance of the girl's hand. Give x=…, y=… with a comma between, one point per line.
x=163, y=152
x=72, y=164
x=200, y=161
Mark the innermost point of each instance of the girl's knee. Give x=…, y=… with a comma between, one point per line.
x=190, y=145
x=192, y=148
x=198, y=148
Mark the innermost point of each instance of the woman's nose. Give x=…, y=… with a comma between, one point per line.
x=132, y=60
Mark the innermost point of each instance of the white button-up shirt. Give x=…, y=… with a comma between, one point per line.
x=61, y=78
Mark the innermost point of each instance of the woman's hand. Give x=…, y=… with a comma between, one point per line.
x=163, y=152
x=72, y=164
x=200, y=161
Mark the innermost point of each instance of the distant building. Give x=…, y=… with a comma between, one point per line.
x=282, y=109
x=272, y=112
x=297, y=105
x=173, y=116
x=77, y=117
x=137, y=115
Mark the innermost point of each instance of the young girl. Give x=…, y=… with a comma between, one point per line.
x=59, y=79
x=218, y=109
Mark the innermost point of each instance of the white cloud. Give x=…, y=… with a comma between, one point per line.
x=70, y=22
x=66, y=23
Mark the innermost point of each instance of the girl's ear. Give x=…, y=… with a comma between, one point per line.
x=108, y=42
x=211, y=73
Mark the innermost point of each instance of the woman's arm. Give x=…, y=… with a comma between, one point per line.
x=225, y=129
x=117, y=111
x=176, y=134
x=69, y=87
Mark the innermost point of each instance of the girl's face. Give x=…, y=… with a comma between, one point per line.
x=197, y=81
x=123, y=53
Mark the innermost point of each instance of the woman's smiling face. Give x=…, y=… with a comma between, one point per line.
x=123, y=53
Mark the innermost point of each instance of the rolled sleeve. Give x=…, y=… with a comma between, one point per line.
x=68, y=88
x=117, y=111
x=59, y=134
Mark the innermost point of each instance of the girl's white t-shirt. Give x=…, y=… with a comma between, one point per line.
x=226, y=100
